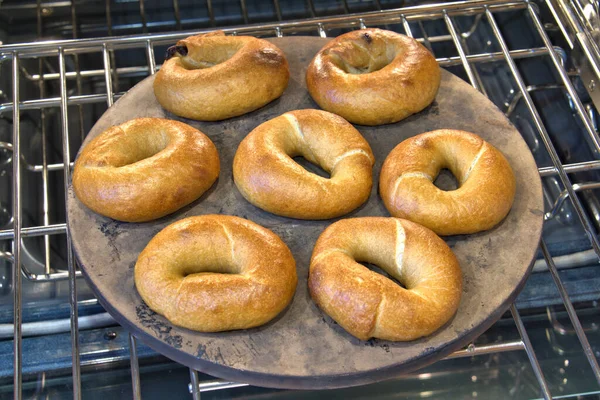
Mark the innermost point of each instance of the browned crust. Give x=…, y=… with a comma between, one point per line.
x=486, y=182
x=160, y=181
x=405, y=86
x=254, y=73
x=367, y=304
x=215, y=272
x=268, y=177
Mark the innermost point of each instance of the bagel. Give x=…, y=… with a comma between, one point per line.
x=486, y=182
x=373, y=77
x=268, y=177
x=144, y=169
x=367, y=304
x=213, y=77
x=214, y=273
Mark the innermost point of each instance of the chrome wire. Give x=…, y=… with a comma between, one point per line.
x=587, y=224
x=564, y=77
x=135, y=368
x=70, y=262
x=194, y=387
x=537, y=370
x=17, y=213
x=461, y=51
x=589, y=352
x=98, y=98
x=426, y=11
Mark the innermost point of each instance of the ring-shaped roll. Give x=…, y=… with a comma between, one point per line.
x=213, y=77
x=144, y=169
x=215, y=273
x=486, y=182
x=267, y=176
x=368, y=304
x=373, y=77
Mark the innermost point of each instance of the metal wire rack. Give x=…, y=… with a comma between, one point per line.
x=408, y=19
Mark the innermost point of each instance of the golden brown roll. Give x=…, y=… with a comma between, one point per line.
x=268, y=177
x=368, y=304
x=213, y=77
x=486, y=182
x=144, y=169
x=215, y=273
x=373, y=77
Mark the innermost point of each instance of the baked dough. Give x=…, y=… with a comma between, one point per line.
x=213, y=77
x=367, y=304
x=373, y=77
x=486, y=182
x=215, y=273
x=144, y=169
x=268, y=177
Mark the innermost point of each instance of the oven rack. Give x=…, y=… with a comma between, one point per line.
x=409, y=18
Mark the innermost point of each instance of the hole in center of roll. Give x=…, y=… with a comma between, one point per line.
x=365, y=55
x=363, y=65
x=312, y=168
x=224, y=269
x=380, y=271
x=446, y=180
x=209, y=57
x=136, y=148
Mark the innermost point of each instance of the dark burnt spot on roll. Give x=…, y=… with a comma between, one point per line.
x=270, y=57
x=367, y=37
x=182, y=50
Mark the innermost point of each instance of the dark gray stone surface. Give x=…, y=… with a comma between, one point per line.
x=302, y=347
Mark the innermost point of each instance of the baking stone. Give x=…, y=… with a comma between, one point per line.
x=302, y=348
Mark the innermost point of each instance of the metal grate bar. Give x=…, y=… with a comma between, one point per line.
x=277, y=9
x=560, y=199
x=244, y=11
x=406, y=26
x=585, y=118
x=55, y=102
x=211, y=14
x=473, y=350
x=587, y=224
x=311, y=8
x=589, y=353
x=150, y=57
x=428, y=11
x=107, y=77
x=346, y=8
x=443, y=61
x=54, y=229
x=461, y=52
x=177, y=14
x=470, y=351
x=45, y=192
x=321, y=30
x=108, y=18
x=70, y=263
x=143, y=16
x=135, y=368
x=195, y=385
x=570, y=168
x=17, y=232
x=537, y=370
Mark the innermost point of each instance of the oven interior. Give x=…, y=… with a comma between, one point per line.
x=498, y=364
